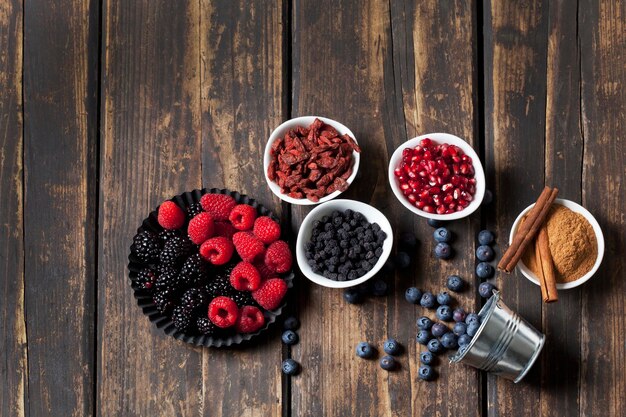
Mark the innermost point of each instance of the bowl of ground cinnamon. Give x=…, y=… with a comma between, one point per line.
x=575, y=242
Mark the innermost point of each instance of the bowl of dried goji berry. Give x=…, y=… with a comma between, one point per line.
x=310, y=160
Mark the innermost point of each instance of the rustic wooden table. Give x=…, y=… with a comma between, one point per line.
x=109, y=107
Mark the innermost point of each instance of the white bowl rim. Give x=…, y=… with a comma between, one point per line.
x=305, y=121
x=479, y=174
x=599, y=239
x=359, y=206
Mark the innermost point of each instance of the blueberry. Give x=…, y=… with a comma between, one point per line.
x=387, y=362
x=435, y=223
x=455, y=283
x=439, y=329
x=472, y=318
x=442, y=235
x=443, y=251
x=485, y=237
x=389, y=267
x=403, y=260
x=352, y=296
x=484, y=270
x=290, y=337
x=426, y=373
x=428, y=300
x=435, y=346
x=444, y=313
x=290, y=367
x=423, y=336
x=459, y=315
x=426, y=358
x=424, y=323
x=407, y=240
x=472, y=329
x=449, y=341
x=379, y=288
x=464, y=340
x=488, y=198
x=443, y=298
x=413, y=295
x=291, y=323
x=485, y=289
x=485, y=253
x=392, y=347
x=365, y=350
x=459, y=328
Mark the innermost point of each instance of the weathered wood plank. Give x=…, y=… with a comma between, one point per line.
x=515, y=36
x=60, y=113
x=150, y=151
x=602, y=42
x=243, y=96
x=13, y=355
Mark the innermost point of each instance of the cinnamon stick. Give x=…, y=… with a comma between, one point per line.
x=545, y=265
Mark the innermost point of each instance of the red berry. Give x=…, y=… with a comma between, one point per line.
x=270, y=293
x=248, y=246
x=200, y=228
x=225, y=229
x=250, y=320
x=242, y=217
x=245, y=277
x=219, y=205
x=171, y=216
x=266, y=229
x=217, y=250
x=264, y=271
x=278, y=257
x=223, y=312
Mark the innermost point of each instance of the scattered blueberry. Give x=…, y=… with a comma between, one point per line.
x=443, y=298
x=379, y=288
x=387, y=362
x=488, y=198
x=439, y=329
x=435, y=346
x=428, y=300
x=291, y=323
x=407, y=240
x=392, y=347
x=426, y=358
x=472, y=329
x=464, y=340
x=449, y=341
x=442, y=235
x=459, y=329
x=388, y=267
x=435, y=223
x=423, y=336
x=353, y=296
x=485, y=289
x=365, y=350
x=484, y=270
x=290, y=367
x=413, y=295
x=444, y=313
x=472, y=318
x=485, y=253
x=485, y=237
x=455, y=283
x=403, y=260
x=459, y=315
x=443, y=251
x=426, y=372
x=290, y=337
x=424, y=323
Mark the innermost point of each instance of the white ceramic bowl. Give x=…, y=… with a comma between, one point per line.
x=577, y=208
x=304, y=235
x=439, y=138
x=306, y=122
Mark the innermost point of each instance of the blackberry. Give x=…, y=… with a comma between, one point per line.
x=174, y=250
x=206, y=326
x=168, y=279
x=193, y=210
x=219, y=286
x=193, y=298
x=243, y=298
x=146, y=246
x=194, y=270
x=166, y=235
x=181, y=319
x=163, y=301
x=145, y=279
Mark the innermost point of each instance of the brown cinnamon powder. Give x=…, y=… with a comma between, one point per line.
x=573, y=245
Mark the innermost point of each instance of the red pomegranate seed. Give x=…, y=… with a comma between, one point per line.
x=441, y=210
x=428, y=209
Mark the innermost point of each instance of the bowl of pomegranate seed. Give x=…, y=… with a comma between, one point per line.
x=438, y=176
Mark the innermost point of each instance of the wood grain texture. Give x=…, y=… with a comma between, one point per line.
x=515, y=36
x=602, y=27
x=149, y=152
x=60, y=113
x=13, y=354
x=243, y=96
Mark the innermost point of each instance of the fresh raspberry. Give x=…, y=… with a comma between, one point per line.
x=266, y=229
x=242, y=217
x=278, y=257
x=219, y=205
x=245, y=277
x=270, y=293
x=264, y=271
x=248, y=246
x=223, y=312
x=225, y=229
x=171, y=216
x=217, y=250
x=200, y=228
x=250, y=320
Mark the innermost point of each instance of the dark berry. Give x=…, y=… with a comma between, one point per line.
x=434, y=346
x=407, y=241
x=387, y=362
x=424, y=323
x=413, y=295
x=484, y=253
x=428, y=300
x=485, y=237
x=449, y=341
x=146, y=246
x=167, y=279
x=464, y=340
x=365, y=350
x=145, y=279
x=175, y=250
x=388, y=267
x=455, y=283
x=442, y=235
x=163, y=301
x=379, y=288
x=291, y=323
x=165, y=235
x=488, y=198
x=181, y=319
x=472, y=329
x=444, y=313
x=459, y=315
x=485, y=289
x=472, y=318
x=484, y=270
x=443, y=298
x=443, y=251
x=423, y=336
x=459, y=328
x=435, y=223
x=426, y=373
x=290, y=337
x=193, y=210
x=290, y=367
x=439, y=329
x=392, y=347
x=243, y=298
x=220, y=285
x=193, y=299
x=427, y=358
x=206, y=326
x=194, y=270
x=403, y=260
x=352, y=296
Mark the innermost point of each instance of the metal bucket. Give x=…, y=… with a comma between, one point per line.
x=505, y=344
